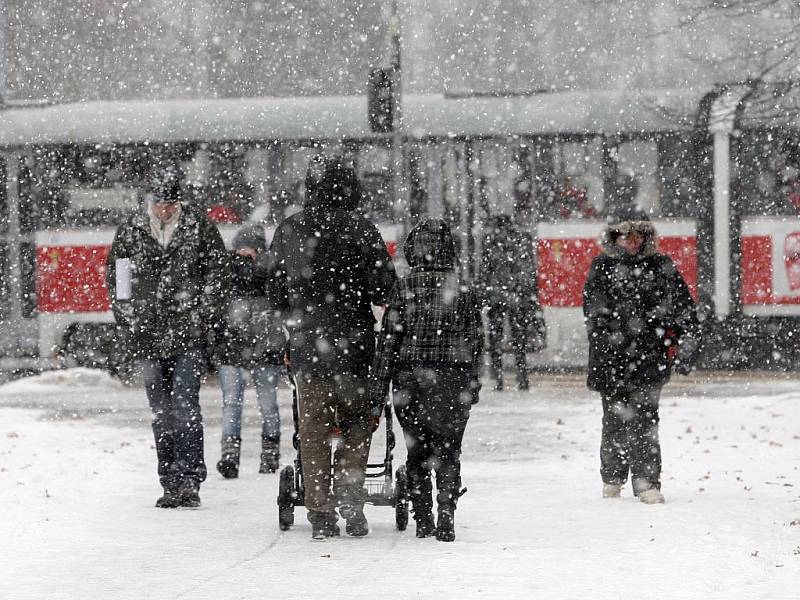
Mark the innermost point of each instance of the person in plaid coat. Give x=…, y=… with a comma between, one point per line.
x=430, y=348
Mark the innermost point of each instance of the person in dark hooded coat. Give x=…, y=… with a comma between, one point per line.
x=328, y=267
x=508, y=275
x=641, y=322
x=430, y=348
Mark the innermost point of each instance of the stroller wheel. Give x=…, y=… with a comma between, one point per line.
x=286, y=496
x=401, y=498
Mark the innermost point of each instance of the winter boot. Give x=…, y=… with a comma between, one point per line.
x=612, y=490
x=351, y=509
x=169, y=499
x=270, y=455
x=445, y=524
x=228, y=465
x=651, y=496
x=324, y=526
x=189, y=494
x=422, y=504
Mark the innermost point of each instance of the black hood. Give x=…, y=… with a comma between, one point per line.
x=430, y=246
x=332, y=183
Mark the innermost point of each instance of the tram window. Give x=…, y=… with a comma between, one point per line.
x=767, y=173
x=637, y=175
x=578, y=180
x=678, y=193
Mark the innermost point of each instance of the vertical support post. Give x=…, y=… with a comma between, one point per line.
x=14, y=273
x=398, y=159
x=720, y=126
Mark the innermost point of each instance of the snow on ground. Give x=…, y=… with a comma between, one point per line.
x=77, y=486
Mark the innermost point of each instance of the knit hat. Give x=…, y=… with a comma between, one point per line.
x=250, y=236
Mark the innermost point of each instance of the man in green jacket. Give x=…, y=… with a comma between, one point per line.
x=168, y=278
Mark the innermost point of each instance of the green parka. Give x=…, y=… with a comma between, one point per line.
x=178, y=292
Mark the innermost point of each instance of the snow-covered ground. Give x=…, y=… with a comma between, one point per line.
x=77, y=486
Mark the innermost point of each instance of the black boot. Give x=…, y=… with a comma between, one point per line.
x=422, y=503
x=324, y=526
x=169, y=499
x=447, y=499
x=189, y=494
x=445, y=524
x=270, y=455
x=351, y=509
x=228, y=465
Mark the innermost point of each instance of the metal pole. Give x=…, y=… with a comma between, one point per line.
x=721, y=126
x=398, y=183
x=14, y=272
x=3, y=17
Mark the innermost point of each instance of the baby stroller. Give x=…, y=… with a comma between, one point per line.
x=380, y=489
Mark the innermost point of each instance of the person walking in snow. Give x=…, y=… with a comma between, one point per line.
x=328, y=267
x=430, y=349
x=249, y=343
x=509, y=290
x=641, y=322
x=168, y=276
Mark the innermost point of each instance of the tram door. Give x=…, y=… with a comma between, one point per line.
x=18, y=325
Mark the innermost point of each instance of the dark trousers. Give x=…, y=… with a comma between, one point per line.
x=630, y=439
x=518, y=320
x=433, y=405
x=173, y=391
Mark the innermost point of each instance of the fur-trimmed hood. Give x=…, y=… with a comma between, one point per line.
x=608, y=240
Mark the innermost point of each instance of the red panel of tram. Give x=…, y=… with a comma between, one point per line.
x=72, y=278
x=564, y=265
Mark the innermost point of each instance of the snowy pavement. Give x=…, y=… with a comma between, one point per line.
x=77, y=486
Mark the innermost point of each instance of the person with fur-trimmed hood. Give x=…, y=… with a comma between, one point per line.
x=430, y=349
x=641, y=321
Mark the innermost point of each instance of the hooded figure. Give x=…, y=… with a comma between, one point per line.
x=508, y=276
x=430, y=350
x=641, y=321
x=328, y=266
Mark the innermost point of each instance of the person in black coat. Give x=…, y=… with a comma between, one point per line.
x=249, y=343
x=641, y=322
x=328, y=267
x=509, y=290
x=430, y=348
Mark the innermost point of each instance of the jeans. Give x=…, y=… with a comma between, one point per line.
x=630, y=439
x=232, y=381
x=172, y=386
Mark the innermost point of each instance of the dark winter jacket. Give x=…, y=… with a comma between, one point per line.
x=178, y=292
x=636, y=309
x=250, y=335
x=432, y=318
x=508, y=264
x=328, y=266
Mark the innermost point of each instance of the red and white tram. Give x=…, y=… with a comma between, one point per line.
x=724, y=200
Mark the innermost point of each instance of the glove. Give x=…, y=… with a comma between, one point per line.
x=375, y=417
x=475, y=390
